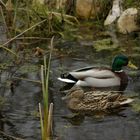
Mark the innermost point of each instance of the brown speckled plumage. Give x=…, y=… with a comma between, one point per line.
x=79, y=100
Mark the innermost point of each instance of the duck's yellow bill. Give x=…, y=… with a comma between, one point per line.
x=131, y=65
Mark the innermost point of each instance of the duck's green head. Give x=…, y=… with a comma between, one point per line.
x=120, y=61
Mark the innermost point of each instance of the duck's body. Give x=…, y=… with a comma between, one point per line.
x=96, y=100
x=100, y=77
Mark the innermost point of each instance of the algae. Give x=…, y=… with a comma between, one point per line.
x=136, y=106
x=104, y=44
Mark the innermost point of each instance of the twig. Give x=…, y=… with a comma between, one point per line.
x=2, y=3
x=15, y=13
x=3, y=45
x=39, y=38
x=24, y=32
x=9, y=136
x=65, y=16
x=29, y=80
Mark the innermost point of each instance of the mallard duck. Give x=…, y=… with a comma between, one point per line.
x=101, y=77
x=92, y=101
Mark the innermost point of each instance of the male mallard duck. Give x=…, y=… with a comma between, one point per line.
x=101, y=77
x=93, y=101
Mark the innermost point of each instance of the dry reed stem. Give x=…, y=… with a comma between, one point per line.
x=65, y=16
x=23, y=32
x=2, y=3
x=50, y=114
x=38, y=38
x=3, y=45
x=41, y=121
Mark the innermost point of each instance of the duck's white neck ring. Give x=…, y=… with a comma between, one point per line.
x=119, y=71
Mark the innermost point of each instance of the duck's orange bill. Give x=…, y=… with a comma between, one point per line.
x=131, y=65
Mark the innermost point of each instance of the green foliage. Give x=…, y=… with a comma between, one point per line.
x=131, y=3
x=46, y=118
x=28, y=13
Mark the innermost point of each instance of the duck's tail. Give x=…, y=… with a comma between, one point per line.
x=67, y=78
x=128, y=101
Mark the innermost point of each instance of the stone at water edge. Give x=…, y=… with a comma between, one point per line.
x=128, y=21
x=88, y=8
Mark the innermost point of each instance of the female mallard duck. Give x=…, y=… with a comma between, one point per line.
x=92, y=101
x=101, y=77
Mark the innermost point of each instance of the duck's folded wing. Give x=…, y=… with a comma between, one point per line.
x=85, y=68
x=96, y=73
x=97, y=82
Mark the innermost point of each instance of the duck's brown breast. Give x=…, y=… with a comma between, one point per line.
x=124, y=80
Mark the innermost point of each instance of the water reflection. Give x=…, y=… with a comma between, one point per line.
x=17, y=117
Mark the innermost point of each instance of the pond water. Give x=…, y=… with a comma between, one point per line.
x=124, y=125
x=19, y=115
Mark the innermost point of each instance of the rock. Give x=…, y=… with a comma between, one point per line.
x=128, y=21
x=87, y=8
x=114, y=13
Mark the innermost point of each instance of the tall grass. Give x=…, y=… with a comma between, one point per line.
x=46, y=116
x=32, y=19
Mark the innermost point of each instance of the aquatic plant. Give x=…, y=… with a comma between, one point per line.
x=46, y=118
x=131, y=3
x=31, y=20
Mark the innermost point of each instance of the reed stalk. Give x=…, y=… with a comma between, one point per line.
x=41, y=120
x=46, y=120
x=2, y=3
x=49, y=129
x=10, y=40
